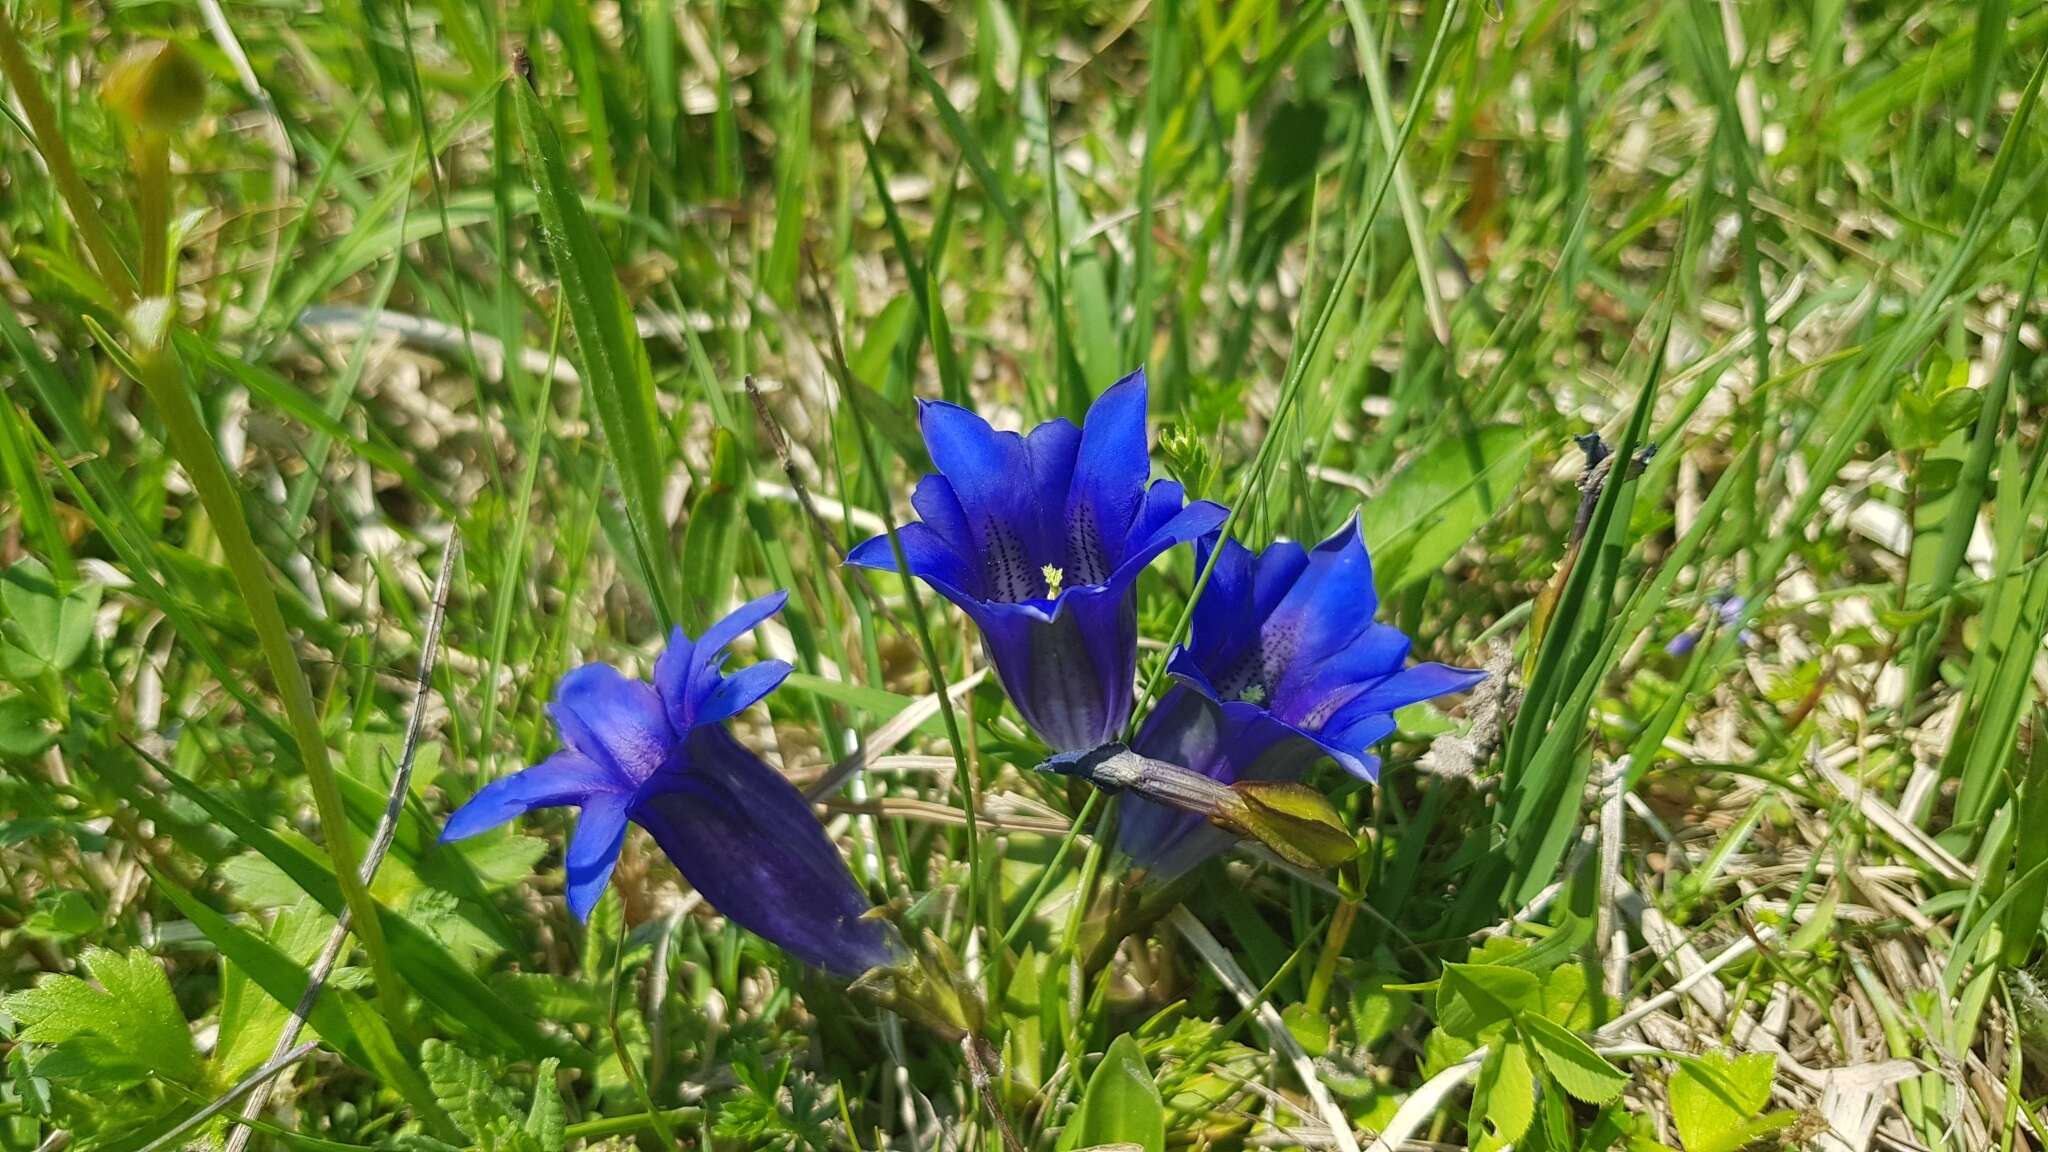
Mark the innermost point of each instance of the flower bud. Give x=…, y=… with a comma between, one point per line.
x=157, y=85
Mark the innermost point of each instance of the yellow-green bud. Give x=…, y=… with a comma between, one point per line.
x=157, y=85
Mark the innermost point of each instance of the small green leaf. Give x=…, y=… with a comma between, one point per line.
x=1121, y=1105
x=1503, y=1100
x=1571, y=1061
x=870, y=364
x=339, y=1016
x=1475, y=1000
x=1024, y=1046
x=896, y=422
x=436, y=974
x=1436, y=503
x=1567, y=1000
x=25, y=732
x=125, y=1030
x=46, y=629
x=467, y=1089
x=61, y=914
x=1717, y=1101
x=1311, y=1029
x=545, y=1120
x=1377, y=1007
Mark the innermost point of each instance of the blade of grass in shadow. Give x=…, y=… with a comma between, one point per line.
x=514, y=554
x=1702, y=32
x=609, y=351
x=133, y=546
x=952, y=382
x=437, y=189
x=1162, y=66
x=981, y=899
x=792, y=173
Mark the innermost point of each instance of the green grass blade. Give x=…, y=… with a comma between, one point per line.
x=613, y=360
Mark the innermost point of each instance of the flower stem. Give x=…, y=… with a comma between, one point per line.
x=1333, y=950
x=49, y=141
x=150, y=153
x=163, y=378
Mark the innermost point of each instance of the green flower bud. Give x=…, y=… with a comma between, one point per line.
x=157, y=85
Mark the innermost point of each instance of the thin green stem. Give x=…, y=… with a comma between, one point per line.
x=653, y=1115
x=163, y=377
x=56, y=153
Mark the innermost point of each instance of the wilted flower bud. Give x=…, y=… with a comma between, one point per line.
x=157, y=85
x=1294, y=821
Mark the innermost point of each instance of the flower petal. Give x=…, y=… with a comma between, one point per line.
x=745, y=838
x=930, y=557
x=1316, y=688
x=1051, y=449
x=1347, y=743
x=989, y=472
x=687, y=672
x=1279, y=567
x=1069, y=672
x=594, y=850
x=613, y=720
x=1109, y=475
x=939, y=507
x=1417, y=683
x=737, y=623
x=567, y=777
x=737, y=692
x=1328, y=607
x=1190, y=523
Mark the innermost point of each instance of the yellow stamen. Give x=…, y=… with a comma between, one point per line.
x=1053, y=576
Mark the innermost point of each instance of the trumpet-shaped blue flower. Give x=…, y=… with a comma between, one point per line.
x=658, y=755
x=1284, y=665
x=1040, y=540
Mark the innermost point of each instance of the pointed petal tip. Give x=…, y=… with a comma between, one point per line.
x=873, y=552
x=1365, y=766
x=769, y=603
x=582, y=905
x=1346, y=538
x=1209, y=512
x=451, y=832
x=1135, y=378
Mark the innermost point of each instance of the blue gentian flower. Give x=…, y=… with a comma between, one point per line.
x=1284, y=666
x=1040, y=540
x=659, y=756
